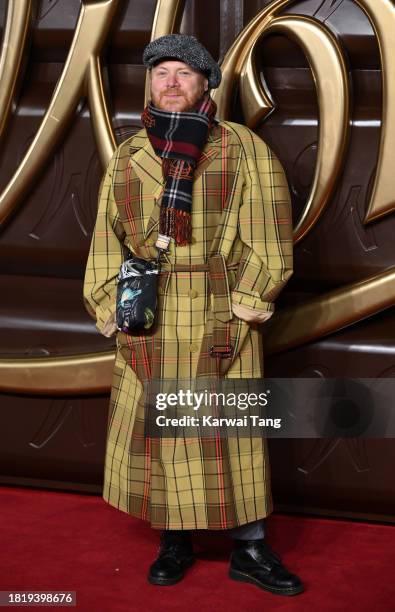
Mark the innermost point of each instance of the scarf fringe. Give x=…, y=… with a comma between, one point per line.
x=176, y=223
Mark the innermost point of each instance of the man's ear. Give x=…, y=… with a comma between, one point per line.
x=205, y=85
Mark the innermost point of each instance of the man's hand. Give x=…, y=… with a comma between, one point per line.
x=251, y=315
x=110, y=326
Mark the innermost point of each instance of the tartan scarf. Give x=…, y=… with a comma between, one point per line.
x=178, y=138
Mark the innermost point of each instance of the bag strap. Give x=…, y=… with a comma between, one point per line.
x=162, y=246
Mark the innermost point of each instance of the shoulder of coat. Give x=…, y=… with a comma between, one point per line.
x=242, y=134
x=133, y=143
x=127, y=148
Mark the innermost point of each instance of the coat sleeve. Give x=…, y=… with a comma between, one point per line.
x=105, y=256
x=264, y=227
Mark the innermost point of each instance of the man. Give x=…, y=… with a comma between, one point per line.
x=216, y=197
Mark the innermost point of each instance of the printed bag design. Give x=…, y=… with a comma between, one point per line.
x=137, y=295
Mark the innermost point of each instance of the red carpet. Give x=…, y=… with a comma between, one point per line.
x=66, y=541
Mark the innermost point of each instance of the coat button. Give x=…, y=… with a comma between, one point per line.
x=193, y=293
x=193, y=348
x=160, y=290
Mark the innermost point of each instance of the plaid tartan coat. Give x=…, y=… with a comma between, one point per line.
x=241, y=252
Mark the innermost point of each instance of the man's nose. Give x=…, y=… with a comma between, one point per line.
x=172, y=80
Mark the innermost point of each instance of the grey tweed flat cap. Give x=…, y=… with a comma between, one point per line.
x=186, y=49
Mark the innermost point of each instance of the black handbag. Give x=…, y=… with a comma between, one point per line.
x=137, y=292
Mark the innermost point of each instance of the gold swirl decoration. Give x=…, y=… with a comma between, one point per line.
x=82, y=75
x=15, y=33
x=330, y=312
x=382, y=17
x=86, y=374
x=330, y=74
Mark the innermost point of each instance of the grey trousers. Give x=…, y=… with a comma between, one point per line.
x=249, y=531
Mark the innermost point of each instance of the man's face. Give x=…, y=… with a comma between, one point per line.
x=176, y=87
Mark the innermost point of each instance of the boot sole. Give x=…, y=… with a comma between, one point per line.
x=241, y=577
x=170, y=581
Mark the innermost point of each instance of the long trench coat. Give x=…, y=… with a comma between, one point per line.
x=241, y=252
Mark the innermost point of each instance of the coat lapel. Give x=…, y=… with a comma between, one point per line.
x=148, y=168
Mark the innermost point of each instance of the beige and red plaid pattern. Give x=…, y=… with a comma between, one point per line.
x=241, y=251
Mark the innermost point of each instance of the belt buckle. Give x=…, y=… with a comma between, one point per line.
x=221, y=351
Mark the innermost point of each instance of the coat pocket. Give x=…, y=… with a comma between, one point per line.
x=239, y=331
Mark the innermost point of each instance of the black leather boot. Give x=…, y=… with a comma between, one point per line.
x=254, y=561
x=175, y=556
